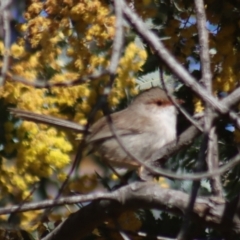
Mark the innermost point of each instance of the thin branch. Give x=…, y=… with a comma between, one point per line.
x=213, y=163
x=118, y=38
x=39, y=83
x=7, y=38
x=46, y=119
x=117, y=48
x=209, y=129
x=233, y=98
x=4, y=5
x=203, y=42
x=184, y=232
x=77, y=158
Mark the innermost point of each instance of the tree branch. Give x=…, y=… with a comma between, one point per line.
x=144, y=195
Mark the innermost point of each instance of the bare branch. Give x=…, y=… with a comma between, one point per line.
x=213, y=163
x=7, y=38
x=212, y=156
x=4, y=5
x=134, y=196
x=45, y=119
x=118, y=38
x=39, y=83
x=215, y=213
x=203, y=42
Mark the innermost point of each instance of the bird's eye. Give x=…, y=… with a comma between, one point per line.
x=159, y=103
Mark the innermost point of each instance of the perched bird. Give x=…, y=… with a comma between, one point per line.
x=145, y=126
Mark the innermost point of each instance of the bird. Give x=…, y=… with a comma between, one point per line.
x=145, y=126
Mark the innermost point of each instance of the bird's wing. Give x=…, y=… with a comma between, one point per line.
x=130, y=124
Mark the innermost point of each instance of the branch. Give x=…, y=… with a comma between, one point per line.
x=209, y=129
x=5, y=13
x=209, y=211
x=206, y=211
x=203, y=42
x=118, y=38
x=40, y=83
x=213, y=163
x=46, y=119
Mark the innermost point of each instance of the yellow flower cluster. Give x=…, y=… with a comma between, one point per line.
x=15, y=183
x=66, y=40
x=28, y=220
x=131, y=62
x=41, y=152
x=198, y=105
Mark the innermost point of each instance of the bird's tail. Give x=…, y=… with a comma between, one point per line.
x=40, y=118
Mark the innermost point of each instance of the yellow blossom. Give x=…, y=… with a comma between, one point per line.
x=28, y=220
x=59, y=159
x=35, y=8
x=1, y=48
x=198, y=106
x=17, y=51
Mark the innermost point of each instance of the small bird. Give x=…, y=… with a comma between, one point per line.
x=145, y=126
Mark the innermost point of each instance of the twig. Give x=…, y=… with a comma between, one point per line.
x=4, y=5
x=77, y=158
x=118, y=38
x=117, y=48
x=7, y=38
x=203, y=42
x=208, y=119
x=213, y=163
x=209, y=129
x=46, y=119
x=184, y=232
x=39, y=83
